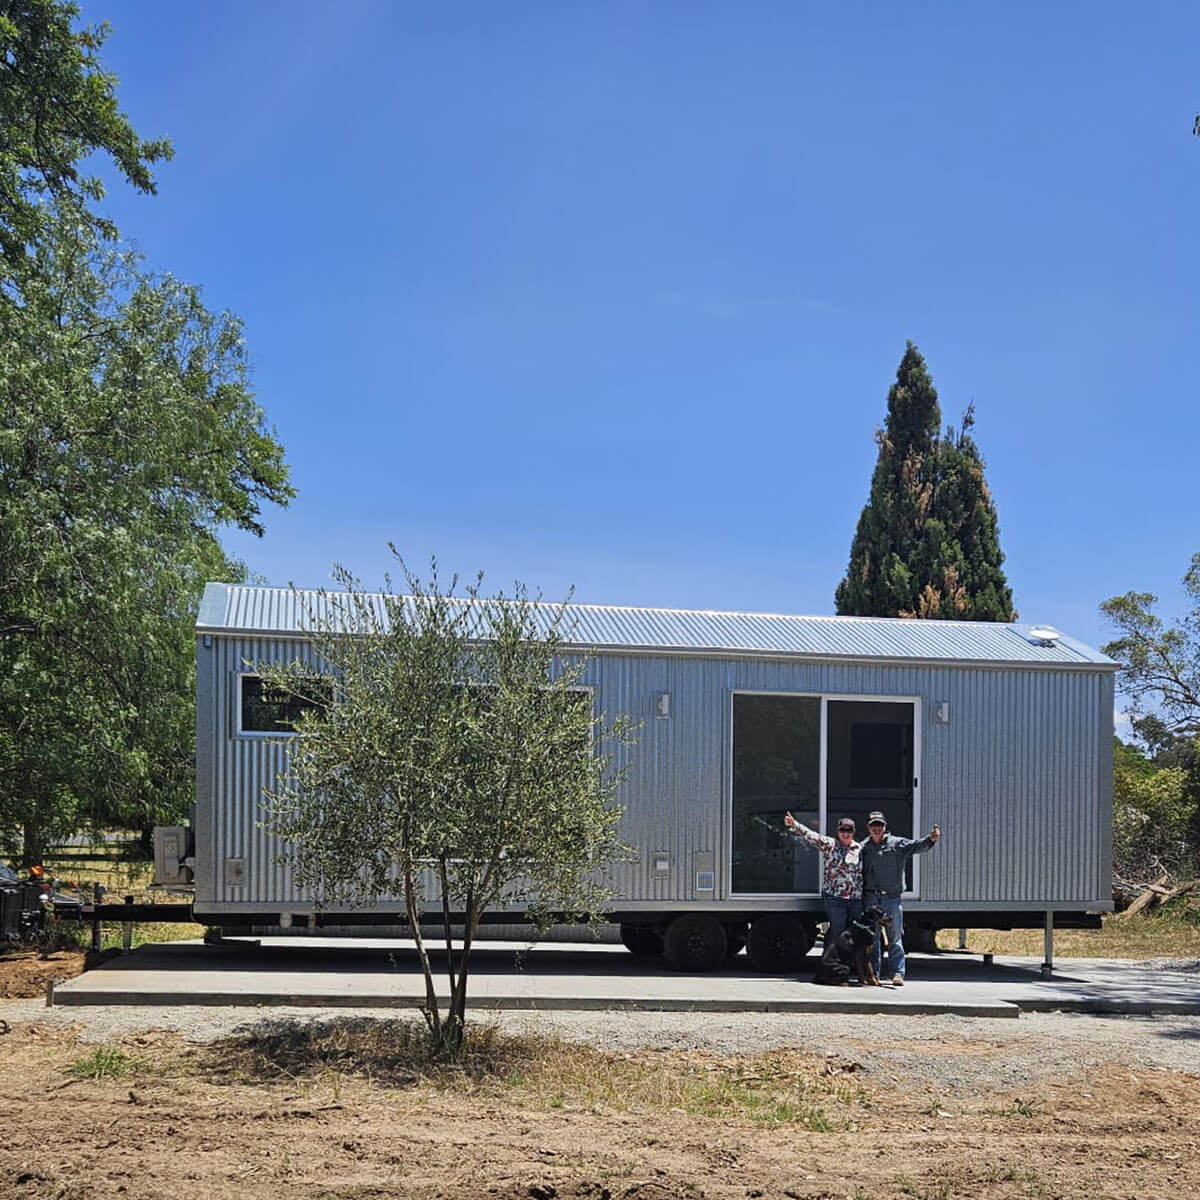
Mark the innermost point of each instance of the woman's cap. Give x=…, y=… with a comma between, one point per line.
x=845, y=823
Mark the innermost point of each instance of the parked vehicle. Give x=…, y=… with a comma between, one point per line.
x=25, y=905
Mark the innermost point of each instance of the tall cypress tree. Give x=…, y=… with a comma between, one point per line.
x=927, y=542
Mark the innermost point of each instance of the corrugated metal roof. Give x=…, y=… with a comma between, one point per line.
x=241, y=609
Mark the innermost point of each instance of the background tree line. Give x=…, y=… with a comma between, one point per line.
x=129, y=436
x=1156, y=795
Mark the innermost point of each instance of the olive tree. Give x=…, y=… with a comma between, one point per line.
x=449, y=754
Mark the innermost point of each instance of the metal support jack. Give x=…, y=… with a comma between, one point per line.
x=1048, y=964
x=97, y=928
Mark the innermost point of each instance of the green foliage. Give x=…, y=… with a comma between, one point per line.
x=1160, y=673
x=105, y=1062
x=1153, y=816
x=927, y=543
x=1166, y=748
x=1160, y=664
x=128, y=436
x=1130, y=761
x=57, y=106
x=456, y=758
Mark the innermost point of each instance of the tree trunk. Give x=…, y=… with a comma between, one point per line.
x=33, y=846
x=432, y=1016
x=446, y=922
x=458, y=1001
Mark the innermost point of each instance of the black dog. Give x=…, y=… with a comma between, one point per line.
x=850, y=951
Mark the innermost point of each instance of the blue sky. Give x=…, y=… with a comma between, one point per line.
x=612, y=295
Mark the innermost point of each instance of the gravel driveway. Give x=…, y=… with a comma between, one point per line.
x=944, y=1055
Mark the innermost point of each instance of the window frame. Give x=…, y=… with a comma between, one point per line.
x=239, y=711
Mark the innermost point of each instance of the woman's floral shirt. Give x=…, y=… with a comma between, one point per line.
x=841, y=866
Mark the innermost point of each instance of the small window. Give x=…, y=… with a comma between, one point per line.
x=270, y=709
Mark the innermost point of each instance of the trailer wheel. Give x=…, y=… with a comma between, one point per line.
x=778, y=943
x=642, y=941
x=920, y=937
x=695, y=943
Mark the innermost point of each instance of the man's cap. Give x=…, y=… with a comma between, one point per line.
x=876, y=818
x=845, y=823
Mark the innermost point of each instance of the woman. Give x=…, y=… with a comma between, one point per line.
x=841, y=871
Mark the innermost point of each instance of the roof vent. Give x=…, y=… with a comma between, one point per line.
x=1043, y=635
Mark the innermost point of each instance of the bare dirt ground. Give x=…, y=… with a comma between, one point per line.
x=25, y=973
x=350, y=1107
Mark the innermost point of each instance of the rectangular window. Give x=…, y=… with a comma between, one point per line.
x=269, y=709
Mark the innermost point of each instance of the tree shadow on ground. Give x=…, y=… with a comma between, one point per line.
x=394, y=1052
x=1181, y=1033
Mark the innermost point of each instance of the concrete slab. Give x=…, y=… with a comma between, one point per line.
x=329, y=972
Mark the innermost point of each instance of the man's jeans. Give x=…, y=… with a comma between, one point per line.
x=841, y=913
x=892, y=906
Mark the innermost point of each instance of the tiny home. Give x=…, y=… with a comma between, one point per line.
x=999, y=733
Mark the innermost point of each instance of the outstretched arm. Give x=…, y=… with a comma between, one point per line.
x=811, y=836
x=920, y=845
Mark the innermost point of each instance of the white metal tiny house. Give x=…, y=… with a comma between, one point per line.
x=1008, y=737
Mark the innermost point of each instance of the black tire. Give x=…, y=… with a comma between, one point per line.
x=695, y=943
x=921, y=938
x=642, y=941
x=778, y=943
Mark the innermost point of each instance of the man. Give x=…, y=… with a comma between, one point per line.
x=884, y=858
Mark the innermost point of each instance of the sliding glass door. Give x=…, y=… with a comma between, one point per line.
x=821, y=758
x=776, y=769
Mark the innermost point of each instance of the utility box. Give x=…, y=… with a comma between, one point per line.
x=172, y=856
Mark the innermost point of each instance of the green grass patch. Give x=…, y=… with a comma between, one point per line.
x=105, y=1062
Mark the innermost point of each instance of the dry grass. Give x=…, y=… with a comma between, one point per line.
x=121, y=878
x=544, y=1072
x=523, y=1117
x=1153, y=936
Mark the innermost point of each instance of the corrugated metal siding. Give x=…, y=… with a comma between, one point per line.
x=231, y=609
x=1020, y=779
